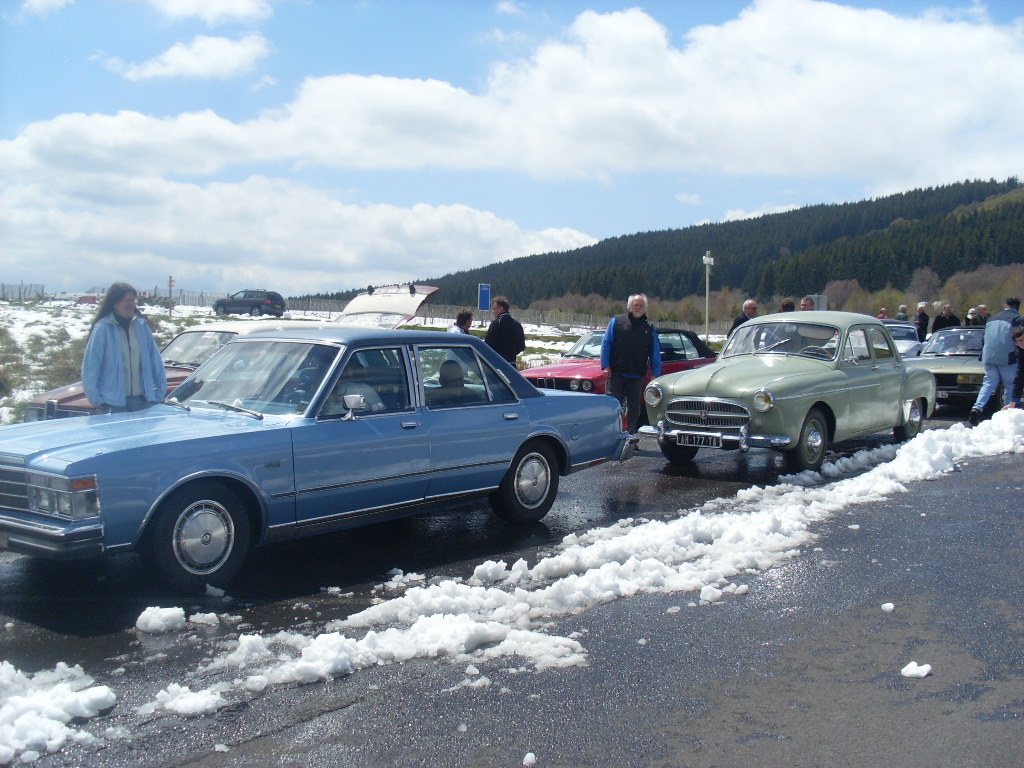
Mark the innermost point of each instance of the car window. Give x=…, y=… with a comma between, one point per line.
x=277, y=377
x=880, y=344
x=588, y=346
x=857, y=346
x=455, y=375
x=192, y=348
x=671, y=343
x=690, y=351
x=786, y=337
x=378, y=374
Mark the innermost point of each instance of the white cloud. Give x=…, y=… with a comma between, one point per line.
x=508, y=6
x=44, y=7
x=737, y=214
x=205, y=57
x=687, y=198
x=215, y=11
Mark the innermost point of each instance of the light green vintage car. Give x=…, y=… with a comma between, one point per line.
x=794, y=382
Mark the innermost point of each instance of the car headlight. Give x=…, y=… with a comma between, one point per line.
x=653, y=395
x=588, y=385
x=969, y=378
x=763, y=401
x=64, y=497
x=574, y=384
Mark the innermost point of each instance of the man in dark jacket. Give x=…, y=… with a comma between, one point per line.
x=921, y=321
x=749, y=313
x=629, y=347
x=505, y=334
x=946, y=319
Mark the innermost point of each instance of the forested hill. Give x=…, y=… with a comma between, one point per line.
x=876, y=242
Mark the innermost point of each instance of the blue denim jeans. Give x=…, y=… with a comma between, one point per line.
x=994, y=375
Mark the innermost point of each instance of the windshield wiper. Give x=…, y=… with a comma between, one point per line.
x=233, y=407
x=770, y=347
x=175, y=403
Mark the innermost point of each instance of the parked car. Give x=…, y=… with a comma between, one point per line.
x=251, y=301
x=795, y=384
x=953, y=355
x=393, y=307
x=904, y=333
x=285, y=434
x=579, y=370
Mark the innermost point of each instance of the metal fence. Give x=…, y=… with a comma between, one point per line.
x=22, y=292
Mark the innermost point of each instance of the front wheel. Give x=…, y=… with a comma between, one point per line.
x=913, y=425
x=256, y=311
x=677, y=454
x=810, y=449
x=529, y=487
x=220, y=309
x=201, y=536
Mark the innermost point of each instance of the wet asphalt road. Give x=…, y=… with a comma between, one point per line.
x=802, y=671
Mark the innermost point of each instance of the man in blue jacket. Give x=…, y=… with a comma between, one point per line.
x=629, y=347
x=999, y=355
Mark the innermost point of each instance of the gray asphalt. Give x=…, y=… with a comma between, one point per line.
x=802, y=671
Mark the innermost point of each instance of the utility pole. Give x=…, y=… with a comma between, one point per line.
x=708, y=263
x=170, y=295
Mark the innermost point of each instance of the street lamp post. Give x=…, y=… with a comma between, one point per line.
x=708, y=262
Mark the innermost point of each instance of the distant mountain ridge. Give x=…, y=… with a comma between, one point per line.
x=878, y=242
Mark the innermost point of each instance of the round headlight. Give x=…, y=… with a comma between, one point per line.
x=653, y=395
x=574, y=384
x=763, y=401
x=588, y=385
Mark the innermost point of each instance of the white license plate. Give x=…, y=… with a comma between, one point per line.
x=942, y=395
x=699, y=441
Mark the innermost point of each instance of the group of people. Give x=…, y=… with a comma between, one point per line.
x=505, y=334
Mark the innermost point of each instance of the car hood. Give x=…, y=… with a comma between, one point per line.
x=72, y=396
x=57, y=443
x=742, y=376
x=391, y=306
x=948, y=363
x=565, y=369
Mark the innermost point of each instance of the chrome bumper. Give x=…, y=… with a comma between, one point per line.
x=52, y=541
x=743, y=441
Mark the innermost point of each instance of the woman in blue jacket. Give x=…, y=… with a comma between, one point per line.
x=122, y=369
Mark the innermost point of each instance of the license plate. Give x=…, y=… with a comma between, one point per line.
x=942, y=395
x=700, y=441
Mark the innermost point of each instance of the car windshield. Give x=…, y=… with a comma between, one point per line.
x=588, y=347
x=276, y=377
x=903, y=332
x=808, y=339
x=190, y=349
x=959, y=341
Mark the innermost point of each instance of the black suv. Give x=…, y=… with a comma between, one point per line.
x=251, y=302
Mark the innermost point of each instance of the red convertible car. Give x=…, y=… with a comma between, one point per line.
x=579, y=370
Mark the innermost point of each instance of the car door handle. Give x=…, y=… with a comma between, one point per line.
x=511, y=416
x=410, y=424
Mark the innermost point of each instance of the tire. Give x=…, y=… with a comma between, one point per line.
x=220, y=309
x=200, y=537
x=809, y=452
x=529, y=487
x=914, y=424
x=256, y=311
x=677, y=454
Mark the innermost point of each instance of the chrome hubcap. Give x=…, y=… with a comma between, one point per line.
x=532, y=479
x=203, y=537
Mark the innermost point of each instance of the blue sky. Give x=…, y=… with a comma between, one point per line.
x=312, y=146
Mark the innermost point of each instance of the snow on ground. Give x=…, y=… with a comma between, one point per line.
x=503, y=611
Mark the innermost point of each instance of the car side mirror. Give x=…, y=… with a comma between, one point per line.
x=353, y=403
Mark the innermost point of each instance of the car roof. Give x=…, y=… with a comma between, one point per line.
x=245, y=327
x=841, y=320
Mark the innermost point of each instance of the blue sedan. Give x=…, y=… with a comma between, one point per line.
x=286, y=434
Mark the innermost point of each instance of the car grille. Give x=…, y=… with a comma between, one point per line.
x=549, y=383
x=708, y=415
x=13, y=484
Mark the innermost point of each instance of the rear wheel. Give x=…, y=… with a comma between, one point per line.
x=913, y=425
x=200, y=537
x=529, y=487
x=677, y=454
x=810, y=449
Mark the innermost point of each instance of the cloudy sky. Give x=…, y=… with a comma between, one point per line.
x=321, y=145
